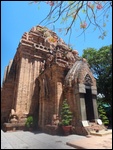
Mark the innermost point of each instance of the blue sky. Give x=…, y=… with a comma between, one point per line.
x=18, y=17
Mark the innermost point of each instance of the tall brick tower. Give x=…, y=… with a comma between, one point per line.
x=42, y=74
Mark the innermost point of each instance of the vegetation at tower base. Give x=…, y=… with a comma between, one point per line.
x=29, y=122
x=66, y=118
x=101, y=65
x=82, y=13
x=104, y=111
x=103, y=115
x=66, y=114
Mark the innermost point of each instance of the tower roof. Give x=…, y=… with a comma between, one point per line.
x=79, y=73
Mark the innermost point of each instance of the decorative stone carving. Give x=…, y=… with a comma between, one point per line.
x=53, y=42
x=55, y=119
x=70, y=81
x=47, y=34
x=61, y=41
x=75, y=54
x=58, y=54
x=88, y=80
x=84, y=60
x=39, y=28
x=42, y=66
x=14, y=119
x=49, y=59
x=70, y=57
x=12, y=112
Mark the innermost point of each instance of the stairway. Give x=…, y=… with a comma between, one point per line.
x=96, y=129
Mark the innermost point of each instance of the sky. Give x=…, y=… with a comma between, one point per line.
x=18, y=17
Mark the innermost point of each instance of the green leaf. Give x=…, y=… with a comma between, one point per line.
x=70, y=2
x=83, y=10
x=38, y=7
x=104, y=24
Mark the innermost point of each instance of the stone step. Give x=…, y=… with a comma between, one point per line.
x=101, y=132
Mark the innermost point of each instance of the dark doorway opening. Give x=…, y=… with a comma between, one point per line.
x=89, y=105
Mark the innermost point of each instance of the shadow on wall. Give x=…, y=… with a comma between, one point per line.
x=34, y=108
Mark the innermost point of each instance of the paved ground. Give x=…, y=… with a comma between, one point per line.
x=38, y=140
x=29, y=140
x=93, y=142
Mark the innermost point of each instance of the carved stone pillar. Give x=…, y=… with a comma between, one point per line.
x=59, y=94
x=94, y=92
x=83, y=109
x=20, y=86
x=82, y=102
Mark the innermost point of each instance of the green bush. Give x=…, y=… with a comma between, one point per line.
x=103, y=115
x=29, y=122
x=66, y=114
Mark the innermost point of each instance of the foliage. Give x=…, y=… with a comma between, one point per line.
x=106, y=108
x=84, y=13
x=29, y=122
x=66, y=114
x=103, y=115
x=101, y=65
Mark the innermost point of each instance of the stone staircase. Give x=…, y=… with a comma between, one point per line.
x=96, y=129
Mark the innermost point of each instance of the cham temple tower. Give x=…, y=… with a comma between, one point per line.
x=43, y=73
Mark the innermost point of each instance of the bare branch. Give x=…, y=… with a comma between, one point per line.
x=75, y=16
x=72, y=9
x=60, y=13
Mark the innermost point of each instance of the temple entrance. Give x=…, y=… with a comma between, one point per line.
x=89, y=105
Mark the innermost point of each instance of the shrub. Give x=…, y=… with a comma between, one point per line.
x=29, y=122
x=103, y=115
x=66, y=114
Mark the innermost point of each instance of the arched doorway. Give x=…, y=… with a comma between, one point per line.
x=89, y=104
